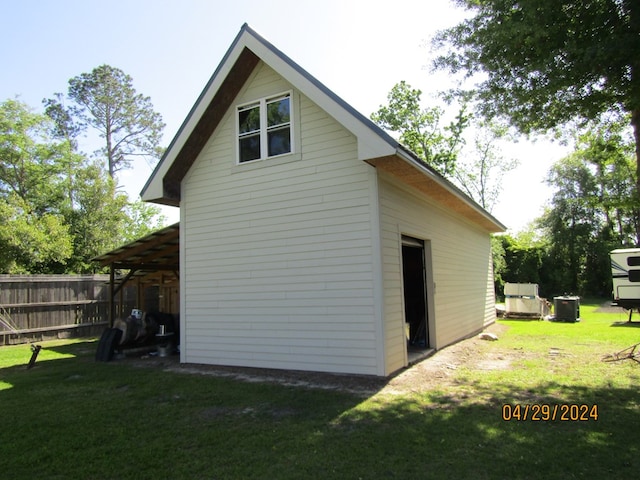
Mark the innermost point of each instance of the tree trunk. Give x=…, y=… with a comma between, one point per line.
x=110, y=156
x=635, y=122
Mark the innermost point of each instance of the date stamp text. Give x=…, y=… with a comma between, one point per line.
x=546, y=412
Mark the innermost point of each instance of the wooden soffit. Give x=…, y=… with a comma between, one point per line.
x=207, y=124
x=436, y=188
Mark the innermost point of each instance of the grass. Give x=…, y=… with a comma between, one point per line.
x=72, y=418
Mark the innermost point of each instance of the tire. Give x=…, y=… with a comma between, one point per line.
x=101, y=345
x=108, y=341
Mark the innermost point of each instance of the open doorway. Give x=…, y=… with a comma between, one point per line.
x=416, y=309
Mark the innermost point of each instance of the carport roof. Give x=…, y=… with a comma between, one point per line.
x=157, y=252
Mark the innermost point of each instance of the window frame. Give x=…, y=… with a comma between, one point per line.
x=264, y=129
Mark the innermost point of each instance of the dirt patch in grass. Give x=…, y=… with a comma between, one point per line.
x=438, y=370
x=608, y=308
x=431, y=373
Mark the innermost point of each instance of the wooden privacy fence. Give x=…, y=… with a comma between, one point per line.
x=37, y=307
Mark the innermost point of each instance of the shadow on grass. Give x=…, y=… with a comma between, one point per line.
x=75, y=418
x=626, y=323
x=447, y=436
x=507, y=320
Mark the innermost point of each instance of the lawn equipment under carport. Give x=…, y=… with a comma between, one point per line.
x=140, y=330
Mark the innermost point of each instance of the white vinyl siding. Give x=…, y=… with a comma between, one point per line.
x=278, y=254
x=461, y=264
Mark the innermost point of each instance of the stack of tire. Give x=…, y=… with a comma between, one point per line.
x=136, y=330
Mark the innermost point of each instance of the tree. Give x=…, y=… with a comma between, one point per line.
x=106, y=101
x=608, y=150
x=519, y=259
x=97, y=217
x=483, y=167
x=33, y=234
x=545, y=63
x=592, y=211
x=31, y=243
x=572, y=221
x=420, y=128
x=57, y=208
x=476, y=170
x=141, y=219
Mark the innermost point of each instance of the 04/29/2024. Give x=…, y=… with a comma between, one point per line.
x=546, y=412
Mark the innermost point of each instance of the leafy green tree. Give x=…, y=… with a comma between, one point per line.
x=545, y=63
x=141, y=219
x=592, y=211
x=608, y=150
x=477, y=170
x=57, y=209
x=28, y=156
x=31, y=243
x=420, y=128
x=499, y=264
x=33, y=234
x=96, y=218
x=106, y=101
x=572, y=221
x=523, y=255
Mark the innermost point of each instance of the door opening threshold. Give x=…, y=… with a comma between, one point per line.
x=415, y=355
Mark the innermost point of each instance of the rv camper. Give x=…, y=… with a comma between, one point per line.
x=625, y=270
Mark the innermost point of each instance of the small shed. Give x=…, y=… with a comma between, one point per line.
x=309, y=238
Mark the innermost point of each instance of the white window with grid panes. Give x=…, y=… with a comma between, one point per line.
x=264, y=128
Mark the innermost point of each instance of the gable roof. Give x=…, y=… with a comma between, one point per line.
x=374, y=145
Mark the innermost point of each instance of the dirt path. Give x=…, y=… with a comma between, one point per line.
x=430, y=373
x=438, y=370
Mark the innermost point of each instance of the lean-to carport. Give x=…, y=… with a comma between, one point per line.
x=151, y=260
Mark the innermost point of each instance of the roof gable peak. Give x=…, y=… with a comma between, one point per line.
x=247, y=49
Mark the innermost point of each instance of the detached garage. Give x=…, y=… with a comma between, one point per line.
x=309, y=238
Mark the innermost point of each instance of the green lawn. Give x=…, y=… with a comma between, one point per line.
x=72, y=418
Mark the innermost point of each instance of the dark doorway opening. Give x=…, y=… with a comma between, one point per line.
x=415, y=293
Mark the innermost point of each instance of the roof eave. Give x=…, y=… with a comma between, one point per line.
x=407, y=167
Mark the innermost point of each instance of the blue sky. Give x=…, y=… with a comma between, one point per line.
x=170, y=48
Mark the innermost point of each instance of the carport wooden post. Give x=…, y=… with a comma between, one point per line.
x=112, y=293
x=139, y=294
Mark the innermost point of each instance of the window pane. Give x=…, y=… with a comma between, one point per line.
x=279, y=141
x=633, y=261
x=249, y=120
x=634, y=276
x=278, y=112
x=249, y=148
